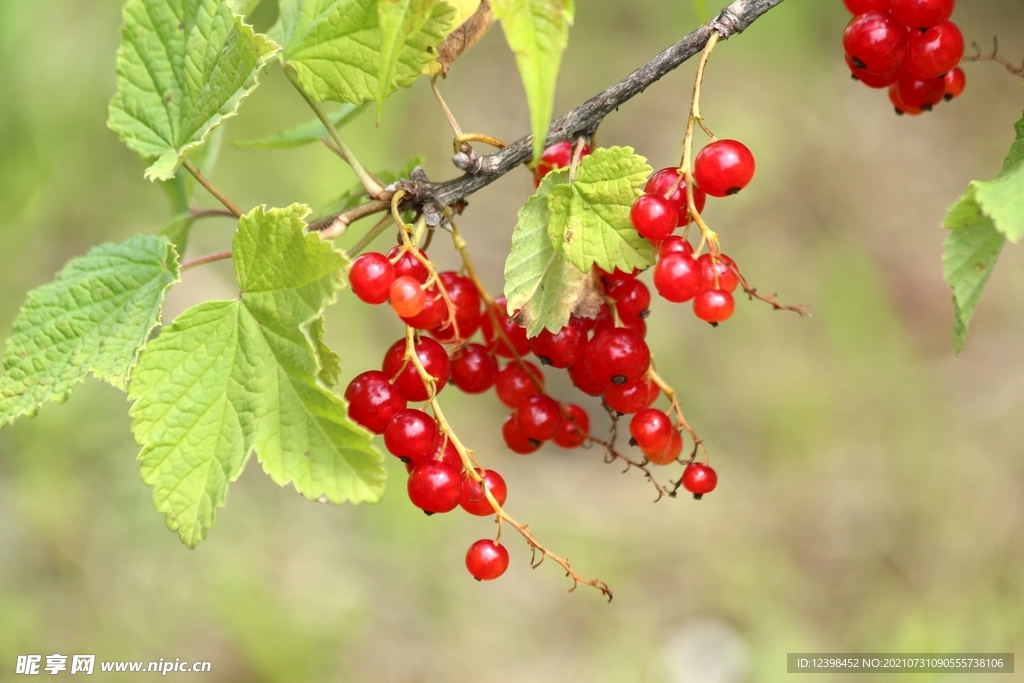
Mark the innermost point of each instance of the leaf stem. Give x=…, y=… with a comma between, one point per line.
x=212, y=189
x=203, y=260
x=211, y=213
x=371, y=235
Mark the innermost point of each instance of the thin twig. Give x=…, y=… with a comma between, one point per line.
x=212, y=213
x=995, y=57
x=370, y=236
x=211, y=188
x=202, y=260
x=332, y=226
x=769, y=299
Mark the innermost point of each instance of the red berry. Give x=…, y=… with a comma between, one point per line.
x=668, y=454
x=651, y=429
x=472, y=498
x=371, y=276
x=922, y=13
x=667, y=183
x=496, y=342
x=699, y=479
x=516, y=441
x=721, y=265
x=434, y=486
x=654, y=217
x=617, y=356
x=432, y=314
x=933, y=52
x=407, y=265
x=538, y=418
x=407, y=379
x=956, y=81
x=874, y=41
x=516, y=382
x=407, y=298
x=616, y=275
x=631, y=397
x=373, y=400
x=486, y=560
x=674, y=244
x=474, y=369
x=724, y=167
x=920, y=93
x=563, y=348
x=862, y=6
x=584, y=380
x=677, y=277
x=901, y=106
x=713, y=306
x=605, y=321
x=466, y=301
x=574, y=429
x=445, y=453
x=558, y=155
x=411, y=435
x=872, y=80
x=632, y=298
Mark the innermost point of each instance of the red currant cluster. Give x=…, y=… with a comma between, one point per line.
x=908, y=46
x=722, y=168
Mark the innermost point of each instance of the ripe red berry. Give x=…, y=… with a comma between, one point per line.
x=713, y=306
x=674, y=244
x=667, y=183
x=631, y=397
x=616, y=275
x=922, y=13
x=411, y=435
x=668, y=454
x=862, y=6
x=699, y=479
x=432, y=314
x=617, y=356
x=632, y=298
x=497, y=342
x=486, y=560
x=920, y=93
x=722, y=266
x=606, y=321
x=373, y=400
x=466, y=301
x=651, y=429
x=407, y=379
x=538, y=418
x=574, y=429
x=445, y=453
x=371, y=276
x=956, y=81
x=933, y=52
x=558, y=155
x=872, y=80
x=474, y=369
x=515, y=382
x=434, y=486
x=654, y=217
x=584, y=380
x=407, y=265
x=677, y=277
x=901, y=106
x=563, y=348
x=875, y=42
x=472, y=498
x=516, y=441
x=407, y=298
x=723, y=167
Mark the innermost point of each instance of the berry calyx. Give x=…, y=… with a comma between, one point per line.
x=574, y=429
x=713, y=306
x=875, y=42
x=411, y=435
x=723, y=167
x=516, y=382
x=371, y=276
x=922, y=13
x=486, y=560
x=516, y=441
x=617, y=356
x=677, y=277
x=668, y=454
x=474, y=369
x=407, y=297
x=434, y=486
x=933, y=52
x=407, y=378
x=472, y=498
x=699, y=479
x=654, y=217
x=651, y=429
x=563, y=348
x=662, y=183
x=717, y=272
x=373, y=400
x=538, y=418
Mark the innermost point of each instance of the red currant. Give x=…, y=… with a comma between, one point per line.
x=513, y=333
x=901, y=106
x=407, y=297
x=407, y=379
x=862, y=6
x=933, y=52
x=558, y=155
x=538, y=418
x=674, y=244
x=606, y=321
x=574, y=429
x=486, y=560
x=668, y=454
x=563, y=348
x=632, y=298
x=713, y=306
x=875, y=42
x=699, y=479
x=617, y=356
x=631, y=397
x=407, y=265
x=677, y=277
x=584, y=380
x=472, y=498
x=434, y=311
x=920, y=93
x=722, y=266
x=724, y=167
x=668, y=184
x=434, y=486
x=516, y=382
x=474, y=369
x=371, y=276
x=922, y=13
x=869, y=79
x=956, y=81
x=411, y=435
x=651, y=429
x=516, y=441
x=373, y=400
x=654, y=217
x=616, y=275
x=466, y=301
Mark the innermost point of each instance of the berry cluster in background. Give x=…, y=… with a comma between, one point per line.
x=908, y=46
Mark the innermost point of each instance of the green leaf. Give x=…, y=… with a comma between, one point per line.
x=538, y=280
x=988, y=214
x=94, y=317
x=335, y=47
x=537, y=31
x=305, y=134
x=182, y=68
x=590, y=217
x=399, y=21
x=231, y=377
x=177, y=231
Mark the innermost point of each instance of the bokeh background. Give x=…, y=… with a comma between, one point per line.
x=872, y=484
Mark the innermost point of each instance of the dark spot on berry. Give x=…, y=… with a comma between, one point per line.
x=535, y=443
x=947, y=97
x=714, y=324
x=619, y=380
x=632, y=441
x=899, y=112
x=854, y=77
x=732, y=190
x=698, y=496
x=544, y=360
x=405, y=460
x=428, y=513
x=926, y=107
x=644, y=313
x=859, y=63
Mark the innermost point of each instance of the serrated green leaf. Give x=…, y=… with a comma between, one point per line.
x=537, y=31
x=182, y=68
x=399, y=20
x=94, y=317
x=335, y=47
x=309, y=132
x=1002, y=198
x=232, y=377
x=538, y=280
x=590, y=217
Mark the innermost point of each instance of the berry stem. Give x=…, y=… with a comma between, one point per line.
x=211, y=188
x=769, y=299
x=444, y=107
x=461, y=138
x=670, y=393
x=202, y=260
x=686, y=165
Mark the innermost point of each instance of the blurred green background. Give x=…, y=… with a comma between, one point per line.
x=872, y=484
